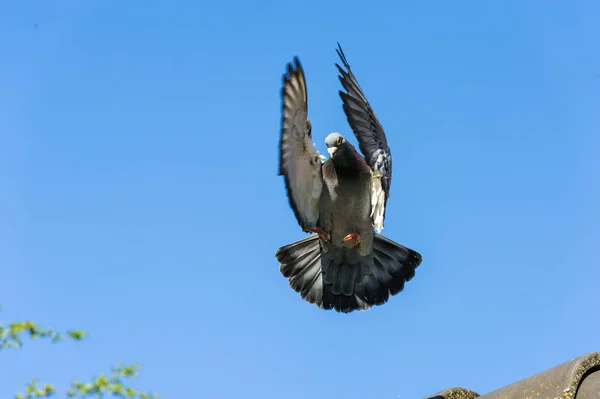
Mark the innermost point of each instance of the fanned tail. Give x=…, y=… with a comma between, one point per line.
x=340, y=279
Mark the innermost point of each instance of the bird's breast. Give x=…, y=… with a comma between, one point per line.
x=345, y=205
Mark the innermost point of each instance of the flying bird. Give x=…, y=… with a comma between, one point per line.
x=346, y=265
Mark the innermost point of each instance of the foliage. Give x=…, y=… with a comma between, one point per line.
x=10, y=337
x=113, y=384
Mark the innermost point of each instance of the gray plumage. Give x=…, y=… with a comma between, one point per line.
x=347, y=266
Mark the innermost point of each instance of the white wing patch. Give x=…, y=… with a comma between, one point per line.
x=377, y=201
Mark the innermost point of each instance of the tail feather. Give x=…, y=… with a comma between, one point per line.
x=340, y=279
x=396, y=257
x=305, y=279
x=296, y=256
x=300, y=262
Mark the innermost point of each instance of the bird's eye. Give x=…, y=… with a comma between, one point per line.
x=339, y=141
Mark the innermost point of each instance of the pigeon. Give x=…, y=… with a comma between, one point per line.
x=347, y=265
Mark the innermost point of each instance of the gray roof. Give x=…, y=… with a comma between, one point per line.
x=575, y=379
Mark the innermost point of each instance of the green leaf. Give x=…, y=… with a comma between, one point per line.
x=11, y=337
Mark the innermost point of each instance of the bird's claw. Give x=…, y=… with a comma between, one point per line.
x=352, y=237
x=320, y=232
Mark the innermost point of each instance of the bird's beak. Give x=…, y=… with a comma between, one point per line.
x=331, y=150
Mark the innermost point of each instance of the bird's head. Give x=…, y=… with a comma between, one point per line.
x=337, y=146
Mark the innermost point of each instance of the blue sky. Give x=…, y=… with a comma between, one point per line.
x=139, y=196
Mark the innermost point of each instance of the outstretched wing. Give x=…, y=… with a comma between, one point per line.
x=371, y=139
x=299, y=160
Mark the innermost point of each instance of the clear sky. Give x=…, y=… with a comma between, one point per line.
x=139, y=196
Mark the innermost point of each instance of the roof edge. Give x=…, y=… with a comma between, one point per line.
x=562, y=381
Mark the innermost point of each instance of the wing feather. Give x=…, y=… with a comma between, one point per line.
x=299, y=161
x=371, y=139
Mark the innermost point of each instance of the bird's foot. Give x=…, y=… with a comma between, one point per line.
x=352, y=238
x=320, y=232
